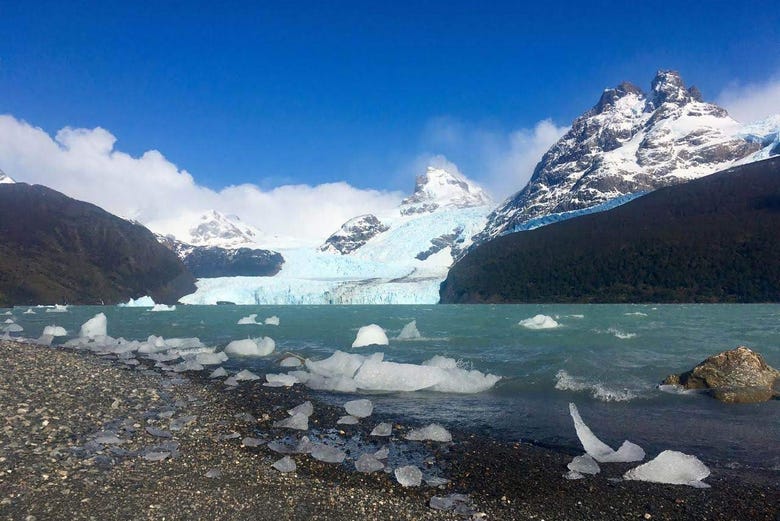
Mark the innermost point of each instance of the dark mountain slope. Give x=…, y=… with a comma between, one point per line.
x=715, y=239
x=54, y=249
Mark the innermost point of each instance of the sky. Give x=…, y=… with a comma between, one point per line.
x=286, y=104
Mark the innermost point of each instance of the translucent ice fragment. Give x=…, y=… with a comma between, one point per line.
x=359, y=408
x=672, y=467
x=296, y=421
x=584, y=464
x=371, y=334
x=367, y=463
x=284, y=465
x=432, y=432
x=408, y=476
x=383, y=429
x=327, y=454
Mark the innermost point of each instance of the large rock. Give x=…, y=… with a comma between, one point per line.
x=737, y=376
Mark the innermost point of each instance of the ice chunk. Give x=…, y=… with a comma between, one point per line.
x=163, y=307
x=57, y=309
x=291, y=361
x=573, y=474
x=94, y=327
x=156, y=455
x=13, y=328
x=210, y=358
x=251, y=347
x=584, y=464
x=251, y=319
x=251, y=442
x=370, y=335
x=672, y=467
x=306, y=408
x=359, y=408
x=338, y=364
x=383, y=429
x=327, y=454
x=284, y=465
x=280, y=380
x=54, y=331
x=432, y=432
x=599, y=450
x=408, y=476
x=29, y=312
x=382, y=453
x=231, y=381
x=539, y=322
x=141, y=302
x=297, y=421
x=367, y=463
x=45, y=340
x=347, y=420
x=213, y=473
x=271, y=321
x=9, y=321
x=246, y=374
x=409, y=332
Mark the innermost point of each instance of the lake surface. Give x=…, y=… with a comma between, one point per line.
x=607, y=359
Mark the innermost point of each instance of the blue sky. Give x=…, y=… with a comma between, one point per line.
x=300, y=92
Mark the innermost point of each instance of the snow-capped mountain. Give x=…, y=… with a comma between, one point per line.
x=5, y=179
x=216, y=229
x=628, y=143
x=439, y=188
x=396, y=258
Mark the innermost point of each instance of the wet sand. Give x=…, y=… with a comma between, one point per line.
x=57, y=404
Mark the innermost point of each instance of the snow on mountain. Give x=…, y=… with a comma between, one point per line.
x=629, y=142
x=5, y=179
x=398, y=258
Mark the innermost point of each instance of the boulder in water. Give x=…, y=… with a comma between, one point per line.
x=736, y=376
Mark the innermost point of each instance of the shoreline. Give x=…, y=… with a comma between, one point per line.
x=54, y=401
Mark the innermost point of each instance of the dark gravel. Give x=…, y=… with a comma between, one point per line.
x=62, y=409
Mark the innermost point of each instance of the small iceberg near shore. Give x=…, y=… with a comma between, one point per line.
x=251, y=347
x=409, y=332
x=539, y=322
x=672, y=467
x=371, y=334
x=599, y=450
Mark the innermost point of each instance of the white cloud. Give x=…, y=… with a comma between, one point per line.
x=752, y=101
x=84, y=164
x=502, y=161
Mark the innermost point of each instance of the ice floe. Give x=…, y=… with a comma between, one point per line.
x=672, y=467
x=599, y=450
x=539, y=322
x=251, y=347
x=251, y=319
x=280, y=380
x=371, y=334
x=163, y=307
x=271, y=321
x=141, y=302
x=29, y=312
x=57, y=308
x=432, y=432
x=584, y=464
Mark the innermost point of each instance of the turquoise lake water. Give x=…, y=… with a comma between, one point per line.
x=607, y=359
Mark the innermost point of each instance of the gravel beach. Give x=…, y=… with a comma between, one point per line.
x=93, y=437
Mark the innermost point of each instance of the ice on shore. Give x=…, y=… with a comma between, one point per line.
x=383, y=429
x=408, y=476
x=432, y=432
x=9, y=321
x=246, y=375
x=251, y=319
x=327, y=454
x=13, y=328
x=206, y=358
x=382, y=453
x=156, y=455
x=280, y=380
x=344, y=372
x=306, y=408
x=251, y=442
x=367, y=464
x=231, y=381
x=141, y=302
x=347, y=420
x=285, y=465
x=57, y=308
x=290, y=361
x=251, y=347
x=359, y=408
x=54, y=331
x=371, y=334
x=672, y=467
x=539, y=322
x=599, y=450
x=584, y=464
x=298, y=421
x=409, y=332
x=271, y=321
x=94, y=327
x=163, y=307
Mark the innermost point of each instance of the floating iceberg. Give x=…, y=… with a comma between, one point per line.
x=57, y=309
x=409, y=332
x=94, y=327
x=29, y=312
x=13, y=328
x=251, y=319
x=54, y=331
x=359, y=408
x=599, y=450
x=539, y=322
x=163, y=307
x=271, y=321
x=371, y=334
x=432, y=432
x=141, y=302
x=672, y=467
x=251, y=347
x=408, y=476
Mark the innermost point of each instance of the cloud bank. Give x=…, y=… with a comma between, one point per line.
x=501, y=161
x=84, y=164
x=752, y=101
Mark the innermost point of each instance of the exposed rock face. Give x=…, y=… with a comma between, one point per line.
x=441, y=242
x=736, y=376
x=214, y=261
x=353, y=234
x=54, y=249
x=627, y=143
x=438, y=188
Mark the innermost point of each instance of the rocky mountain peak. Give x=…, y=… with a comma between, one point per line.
x=610, y=96
x=438, y=188
x=353, y=234
x=668, y=87
x=216, y=229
